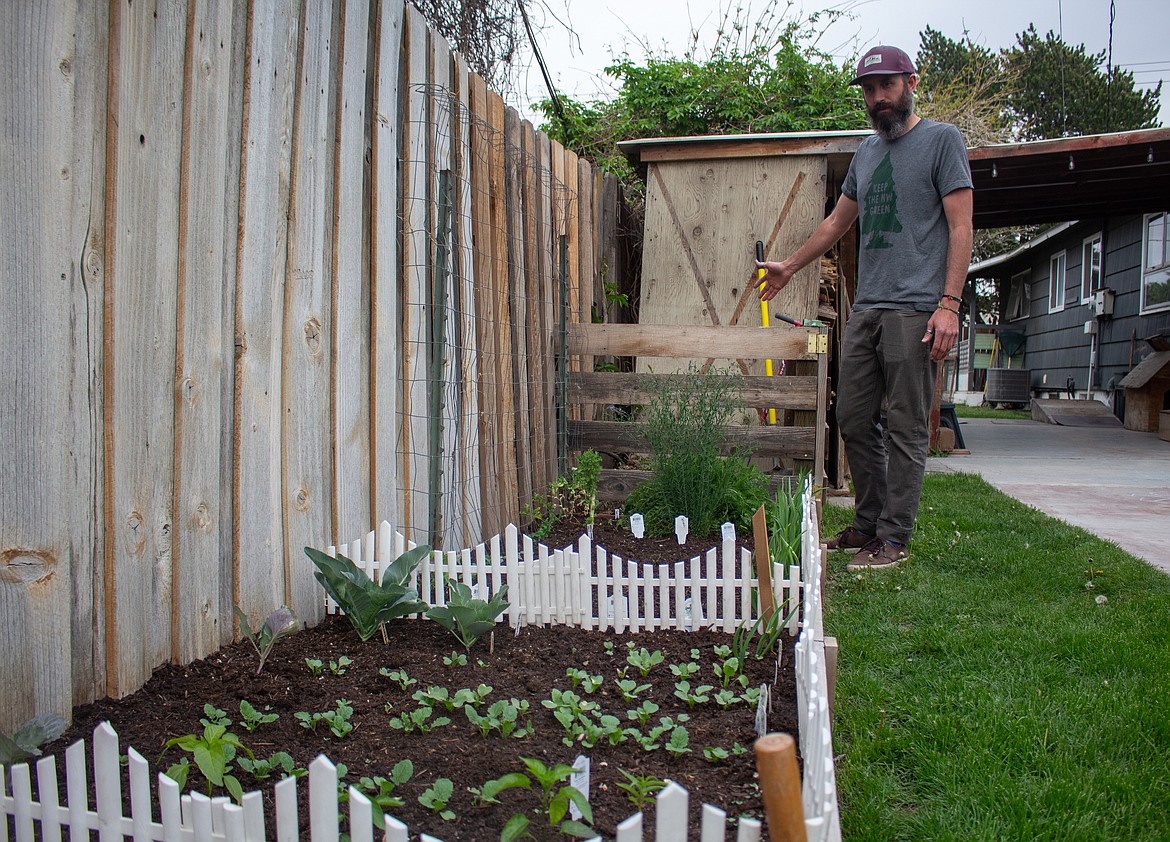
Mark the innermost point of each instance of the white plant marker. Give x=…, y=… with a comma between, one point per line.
x=728, y=531
x=580, y=781
x=637, y=525
x=682, y=525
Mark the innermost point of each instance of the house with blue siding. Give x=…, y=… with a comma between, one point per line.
x=1080, y=306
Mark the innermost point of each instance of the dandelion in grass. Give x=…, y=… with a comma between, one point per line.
x=1101, y=599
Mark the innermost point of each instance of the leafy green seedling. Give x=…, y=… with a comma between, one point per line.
x=698, y=696
x=725, y=698
x=726, y=671
x=436, y=796
x=503, y=717
x=715, y=754
x=213, y=752
x=455, y=659
x=280, y=623
x=380, y=790
x=316, y=667
x=554, y=797
x=337, y=719
x=418, y=720
x=339, y=666
x=263, y=768
x=607, y=646
x=642, y=713
x=630, y=688
x=677, y=744
x=252, y=718
x=588, y=683
x=214, y=716
x=27, y=740
x=367, y=605
x=640, y=789
x=739, y=750
x=722, y=651
x=685, y=670
x=695, y=654
x=643, y=660
x=468, y=617
x=399, y=677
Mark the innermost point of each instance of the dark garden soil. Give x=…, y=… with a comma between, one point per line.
x=525, y=666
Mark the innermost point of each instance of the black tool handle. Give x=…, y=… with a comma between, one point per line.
x=760, y=250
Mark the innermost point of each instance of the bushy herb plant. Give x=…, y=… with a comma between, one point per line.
x=684, y=428
x=553, y=794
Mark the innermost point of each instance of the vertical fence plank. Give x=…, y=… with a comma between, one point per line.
x=503, y=316
x=384, y=267
x=631, y=829
x=468, y=494
x=746, y=613
x=714, y=824
x=584, y=589
x=670, y=813
x=306, y=393
x=415, y=268
x=77, y=791
x=285, y=797
x=351, y=333
x=604, y=594
x=22, y=803
x=621, y=597
x=169, y=809
x=481, y=142
x=547, y=302
x=260, y=315
x=323, y=810
x=48, y=792
x=142, y=235
x=140, y=805
x=514, y=178
x=203, y=352
x=107, y=783
x=538, y=373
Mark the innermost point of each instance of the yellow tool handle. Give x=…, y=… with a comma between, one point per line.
x=764, y=317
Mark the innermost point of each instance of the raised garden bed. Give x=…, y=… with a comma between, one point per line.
x=526, y=666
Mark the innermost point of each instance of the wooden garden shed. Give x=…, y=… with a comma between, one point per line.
x=708, y=201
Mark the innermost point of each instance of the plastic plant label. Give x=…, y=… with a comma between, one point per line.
x=728, y=531
x=637, y=525
x=682, y=525
x=579, y=780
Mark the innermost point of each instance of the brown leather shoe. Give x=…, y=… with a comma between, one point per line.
x=850, y=540
x=881, y=556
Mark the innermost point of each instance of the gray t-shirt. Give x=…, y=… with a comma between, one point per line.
x=899, y=186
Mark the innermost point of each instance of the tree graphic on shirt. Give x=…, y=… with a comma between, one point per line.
x=881, y=206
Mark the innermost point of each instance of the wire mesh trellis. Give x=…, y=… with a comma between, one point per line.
x=485, y=296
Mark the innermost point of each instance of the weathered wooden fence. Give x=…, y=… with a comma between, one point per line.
x=272, y=272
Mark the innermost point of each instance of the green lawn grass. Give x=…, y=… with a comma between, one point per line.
x=983, y=693
x=964, y=411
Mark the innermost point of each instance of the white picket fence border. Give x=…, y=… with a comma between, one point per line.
x=196, y=818
x=585, y=586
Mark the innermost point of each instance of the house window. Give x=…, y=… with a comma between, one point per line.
x=1156, y=263
x=1056, y=283
x=1017, y=303
x=1090, y=267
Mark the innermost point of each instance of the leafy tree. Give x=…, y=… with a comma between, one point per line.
x=964, y=84
x=765, y=75
x=1064, y=91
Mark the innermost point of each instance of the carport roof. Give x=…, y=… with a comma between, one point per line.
x=1071, y=178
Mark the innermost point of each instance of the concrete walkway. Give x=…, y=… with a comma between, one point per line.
x=1112, y=482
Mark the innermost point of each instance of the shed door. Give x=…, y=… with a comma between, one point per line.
x=703, y=218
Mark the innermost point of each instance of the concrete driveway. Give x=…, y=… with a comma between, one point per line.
x=1112, y=482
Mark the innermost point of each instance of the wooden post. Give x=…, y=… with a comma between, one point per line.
x=763, y=563
x=780, y=787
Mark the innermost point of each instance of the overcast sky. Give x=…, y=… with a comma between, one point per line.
x=1141, y=33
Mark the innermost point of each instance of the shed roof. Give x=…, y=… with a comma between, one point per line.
x=1146, y=370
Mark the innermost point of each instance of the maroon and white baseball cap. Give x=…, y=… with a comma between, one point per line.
x=883, y=60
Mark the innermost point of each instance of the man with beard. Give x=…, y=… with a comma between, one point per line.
x=911, y=186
